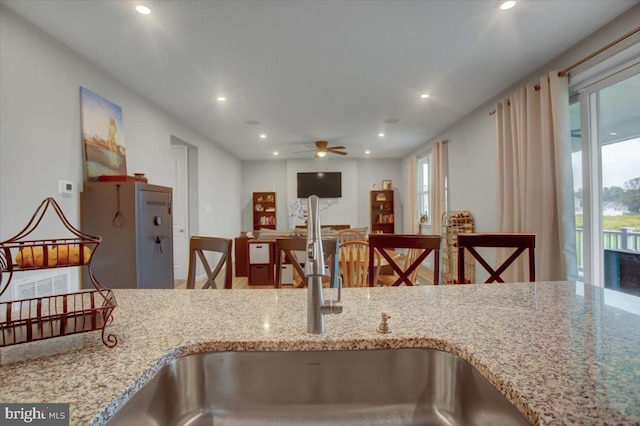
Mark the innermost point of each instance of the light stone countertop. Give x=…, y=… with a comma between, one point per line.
x=559, y=351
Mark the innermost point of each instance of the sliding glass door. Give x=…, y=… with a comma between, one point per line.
x=606, y=165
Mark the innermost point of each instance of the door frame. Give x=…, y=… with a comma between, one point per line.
x=593, y=237
x=189, y=153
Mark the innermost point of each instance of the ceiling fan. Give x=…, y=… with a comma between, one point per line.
x=322, y=148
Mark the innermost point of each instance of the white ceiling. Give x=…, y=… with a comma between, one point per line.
x=341, y=71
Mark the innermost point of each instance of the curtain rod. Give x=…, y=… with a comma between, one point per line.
x=586, y=58
x=597, y=52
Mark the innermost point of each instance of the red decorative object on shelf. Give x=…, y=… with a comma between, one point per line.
x=140, y=177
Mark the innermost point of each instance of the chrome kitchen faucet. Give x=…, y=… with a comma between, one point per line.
x=314, y=270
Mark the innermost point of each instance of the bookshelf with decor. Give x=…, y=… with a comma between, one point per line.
x=264, y=210
x=382, y=212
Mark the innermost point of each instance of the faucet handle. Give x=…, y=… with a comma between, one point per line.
x=311, y=252
x=333, y=306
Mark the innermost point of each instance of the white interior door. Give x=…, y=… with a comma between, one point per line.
x=180, y=211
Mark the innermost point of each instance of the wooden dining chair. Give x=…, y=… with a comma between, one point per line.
x=519, y=242
x=350, y=235
x=198, y=246
x=354, y=263
x=426, y=244
x=286, y=249
x=410, y=258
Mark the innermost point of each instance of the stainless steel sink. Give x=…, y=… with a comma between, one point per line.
x=373, y=387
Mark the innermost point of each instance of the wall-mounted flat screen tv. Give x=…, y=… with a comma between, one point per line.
x=322, y=184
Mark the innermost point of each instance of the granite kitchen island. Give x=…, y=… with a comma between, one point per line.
x=561, y=352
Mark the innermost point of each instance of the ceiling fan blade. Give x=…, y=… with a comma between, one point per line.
x=331, y=148
x=338, y=152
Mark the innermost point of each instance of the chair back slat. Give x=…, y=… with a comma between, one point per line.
x=412, y=256
x=420, y=246
x=354, y=263
x=518, y=241
x=350, y=235
x=197, y=247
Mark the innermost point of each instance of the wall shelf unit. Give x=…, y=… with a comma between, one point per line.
x=264, y=210
x=382, y=212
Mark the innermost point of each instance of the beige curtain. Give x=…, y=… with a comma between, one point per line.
x=535, y=184
x=438, y=176
x=412, y=223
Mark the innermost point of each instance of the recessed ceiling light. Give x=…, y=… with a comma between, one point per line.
x=507, y=5
x=262, y=136
x=381, y=135
x=221, y=98
x=367, y=152
x=144, y=10
x=275, y=152
x=613, y=134
x=424, y=96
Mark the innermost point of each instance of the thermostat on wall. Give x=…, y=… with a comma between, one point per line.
x=65, y=187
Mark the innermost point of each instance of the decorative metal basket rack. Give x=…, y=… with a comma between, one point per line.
x=454, y=223
x=39, y=318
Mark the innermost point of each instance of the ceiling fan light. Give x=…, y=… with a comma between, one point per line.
x=321, y=153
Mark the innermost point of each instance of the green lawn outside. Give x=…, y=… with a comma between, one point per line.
x=614, y=223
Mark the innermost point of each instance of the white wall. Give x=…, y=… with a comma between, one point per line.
x=473, y=186
x=335, y=210
x=357, y=177
x=40, y=134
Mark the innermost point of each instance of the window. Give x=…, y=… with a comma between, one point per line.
x=576, y=165
x=423, y=185
x=605, y=123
